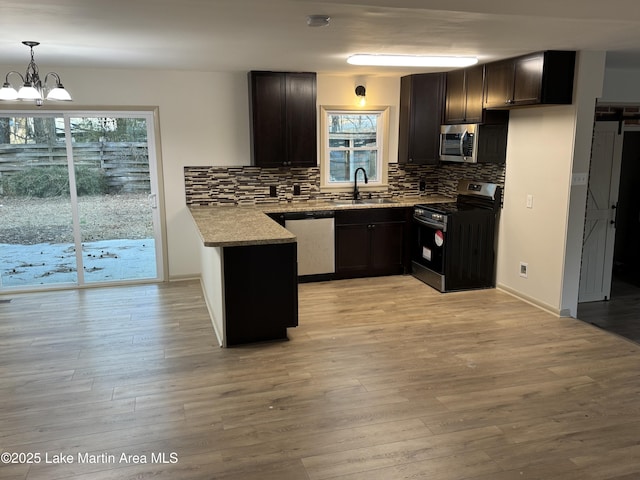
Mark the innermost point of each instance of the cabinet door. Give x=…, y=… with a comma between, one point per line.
x=267, y=118
x=527, y=85
x=371, y=242
x=492, y=148
x=260, y=292
x=455, y=98
x=352, y=250
x=387, y=248
x=421, y=114
x=498, y=80
x=536, y=79
x=474, y=90
x=557, y=77
x=301, y=119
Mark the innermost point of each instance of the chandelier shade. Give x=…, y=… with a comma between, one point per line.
x=32, y=87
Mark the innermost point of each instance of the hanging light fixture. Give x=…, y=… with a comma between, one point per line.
x=32, y=87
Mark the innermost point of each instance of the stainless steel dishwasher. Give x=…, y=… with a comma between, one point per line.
x=316, y=248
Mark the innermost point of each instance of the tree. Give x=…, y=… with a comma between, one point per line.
x=5, y=130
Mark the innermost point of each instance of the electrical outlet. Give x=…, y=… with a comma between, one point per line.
x=523, y=269
x=273, y=192
x=423, y=185
x=296, y=189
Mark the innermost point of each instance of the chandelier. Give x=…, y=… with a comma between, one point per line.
x=32, y=87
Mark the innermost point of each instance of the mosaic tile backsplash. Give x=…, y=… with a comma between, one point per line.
x=246, y=185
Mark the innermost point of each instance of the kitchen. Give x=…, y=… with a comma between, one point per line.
x=224, y=122
x=228, y=119
x=212, y=128
x=584, y=94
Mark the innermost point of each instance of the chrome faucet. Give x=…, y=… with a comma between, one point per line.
x=356, y=194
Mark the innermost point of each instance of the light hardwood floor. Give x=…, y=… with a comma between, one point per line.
x=384, y=379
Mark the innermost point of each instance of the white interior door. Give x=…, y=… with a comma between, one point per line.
x=602, y=196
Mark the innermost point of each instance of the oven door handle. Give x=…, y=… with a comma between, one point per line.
x=427, y=223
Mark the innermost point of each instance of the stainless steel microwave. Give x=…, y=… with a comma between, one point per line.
x=459, y=143
x=473, y=143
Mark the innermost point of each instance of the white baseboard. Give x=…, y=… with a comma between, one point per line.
x=184, y=278
x=530, y=300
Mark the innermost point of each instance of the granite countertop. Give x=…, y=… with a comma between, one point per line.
x=237, y=226
x=228, y=226
x=310, y=205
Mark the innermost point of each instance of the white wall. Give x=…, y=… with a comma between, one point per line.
x=589, y=84
x=213, y=289
x=545, y=147
x=539, y=152
x=621, y=86
x=339, y=90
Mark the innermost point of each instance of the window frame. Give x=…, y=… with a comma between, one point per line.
x=382, y=140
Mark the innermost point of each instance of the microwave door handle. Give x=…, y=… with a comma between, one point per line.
x=464, y=134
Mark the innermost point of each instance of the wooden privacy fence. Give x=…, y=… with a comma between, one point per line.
x=125, y=164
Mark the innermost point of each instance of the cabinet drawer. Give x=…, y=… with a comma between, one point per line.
x=372, y=215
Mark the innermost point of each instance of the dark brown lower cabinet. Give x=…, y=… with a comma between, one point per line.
x=261, y=292
x=371, y=242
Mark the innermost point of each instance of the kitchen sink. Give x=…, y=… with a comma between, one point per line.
x=363, y=201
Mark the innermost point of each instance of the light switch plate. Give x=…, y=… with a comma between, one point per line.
x=529, y=201
x=579, y=179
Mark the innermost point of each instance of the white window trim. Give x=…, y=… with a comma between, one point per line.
x=383, y=183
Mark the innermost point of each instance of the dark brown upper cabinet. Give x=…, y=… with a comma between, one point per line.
x=534, y=79
x=464, y=95
x=283, y=119
x=421, y=114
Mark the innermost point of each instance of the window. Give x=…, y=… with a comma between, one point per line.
x=353, y=139
x=79, y=194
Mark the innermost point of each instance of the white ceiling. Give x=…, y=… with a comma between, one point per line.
x=241, y=35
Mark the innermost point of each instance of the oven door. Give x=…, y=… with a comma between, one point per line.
x=428, y=252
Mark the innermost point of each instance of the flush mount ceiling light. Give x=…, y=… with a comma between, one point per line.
x=318, y=20
x=410, y=60
x=32, y=87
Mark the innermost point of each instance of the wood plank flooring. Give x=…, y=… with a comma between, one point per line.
x=385, y=378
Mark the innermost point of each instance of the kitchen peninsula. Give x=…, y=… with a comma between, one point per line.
x=249, y=265
x=249, y=274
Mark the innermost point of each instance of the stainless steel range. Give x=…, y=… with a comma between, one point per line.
x=453, y=243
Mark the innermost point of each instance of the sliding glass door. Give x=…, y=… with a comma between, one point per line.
x=79, y=200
